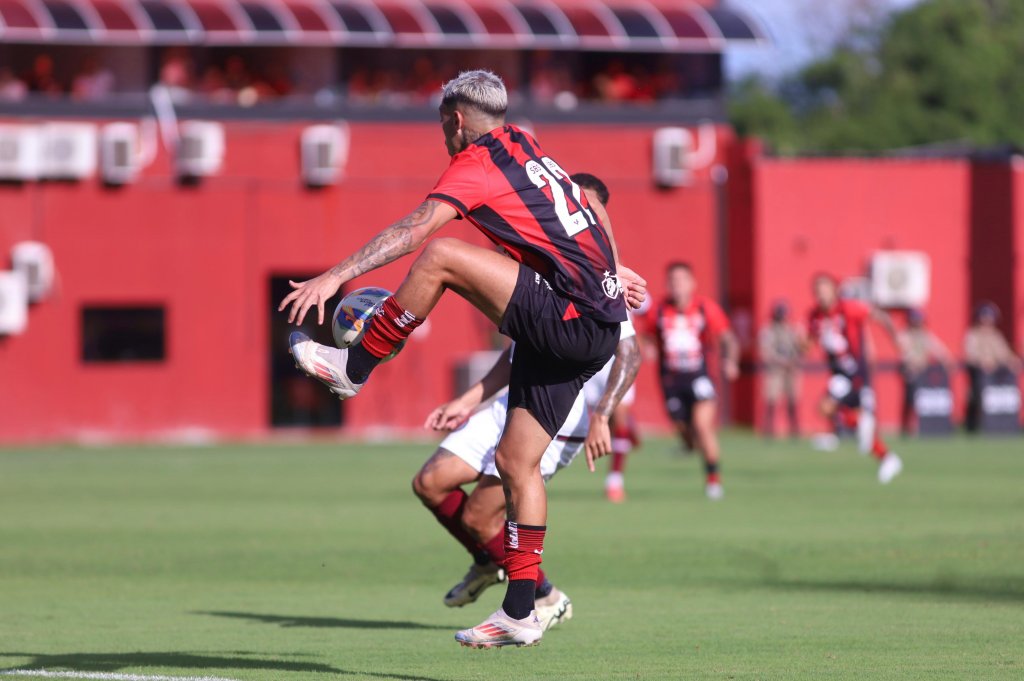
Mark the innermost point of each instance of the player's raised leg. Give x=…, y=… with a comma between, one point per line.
x=482, y=276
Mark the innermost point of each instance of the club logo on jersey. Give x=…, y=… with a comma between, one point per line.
x=611, y=285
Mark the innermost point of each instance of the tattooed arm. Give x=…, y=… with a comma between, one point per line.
x=401, y=238
x=623, y=372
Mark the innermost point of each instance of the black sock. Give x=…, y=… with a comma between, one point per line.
x=519, y=598
x=543, y=589
x=482, y=558
x=710, y=468
x=360, y=364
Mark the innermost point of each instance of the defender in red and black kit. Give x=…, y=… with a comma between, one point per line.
x=840, y=328
x=684, y=327
x=559, y=293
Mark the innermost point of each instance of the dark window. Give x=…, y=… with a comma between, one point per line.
x=296, y=400
x=635, y=23
x=124, y=334
x=539, y=23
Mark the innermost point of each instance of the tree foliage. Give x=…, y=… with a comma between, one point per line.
x=945, y=70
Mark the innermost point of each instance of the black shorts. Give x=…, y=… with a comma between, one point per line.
x=683, y=390
x=554, y=356
x=851, y=390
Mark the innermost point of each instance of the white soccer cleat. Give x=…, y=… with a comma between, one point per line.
x=553, y=609
x=500, y=630
x=324, y=363
x=714, y=491
x=476, y=581
x=890, y=467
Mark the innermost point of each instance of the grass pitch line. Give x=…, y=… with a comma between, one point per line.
x=105, y=676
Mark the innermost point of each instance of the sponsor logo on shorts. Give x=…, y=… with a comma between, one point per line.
x=611, y=285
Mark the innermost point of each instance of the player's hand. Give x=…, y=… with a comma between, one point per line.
x=316, y=291
x=599, y=440
x=634, y=287
x=732, y=370
x=448, y=416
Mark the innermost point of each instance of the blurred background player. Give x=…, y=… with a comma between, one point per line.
x=685, y=327
x=781, y=345
x=985, y=351
x=839, y=327
x=919, y=349
x=614, y=415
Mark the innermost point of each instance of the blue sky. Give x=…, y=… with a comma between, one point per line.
x=800, y=29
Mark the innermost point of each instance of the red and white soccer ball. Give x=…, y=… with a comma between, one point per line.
x=353, y=314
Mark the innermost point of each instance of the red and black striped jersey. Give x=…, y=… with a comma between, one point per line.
x=506, y=186
x=841, y=333
x=684, y=335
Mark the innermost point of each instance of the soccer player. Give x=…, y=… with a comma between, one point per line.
x=466, y=455
x=684, y=326
x=840, y=327
x=781, y=345
x=562, y=296
x=619, y=420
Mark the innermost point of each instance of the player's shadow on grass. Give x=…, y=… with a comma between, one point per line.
x=112, y=662
x=325, y=622
x=941, y=588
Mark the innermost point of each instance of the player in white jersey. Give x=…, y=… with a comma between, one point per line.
x=466, y=455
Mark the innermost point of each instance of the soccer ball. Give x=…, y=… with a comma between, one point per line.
x=353, y=314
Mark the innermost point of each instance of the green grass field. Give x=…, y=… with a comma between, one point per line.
x=315, y=561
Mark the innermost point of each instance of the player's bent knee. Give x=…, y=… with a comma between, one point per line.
x=424, y=486
x=513, y=468
x=437, y=255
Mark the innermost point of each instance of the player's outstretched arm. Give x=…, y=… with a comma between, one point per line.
x=401, y=238
x=453, y=414
x=622, y=375
x=730, y=354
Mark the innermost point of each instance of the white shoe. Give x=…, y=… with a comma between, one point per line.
x=890, y=467
x=325, y=364
x=865, y=432
x=553, y=609
x=500, y=630
x=714, y=491
x=477, y=579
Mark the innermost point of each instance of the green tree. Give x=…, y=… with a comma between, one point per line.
x=944, y=70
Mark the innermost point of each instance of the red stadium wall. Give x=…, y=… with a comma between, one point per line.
x=830, y=215
x=207, y=252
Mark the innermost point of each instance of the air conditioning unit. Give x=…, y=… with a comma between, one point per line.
x=200, y=149
x=119, y=153
x=13, y=303
x=672, y=147
x=34, y=261
x=324, y=154
x=677, y=154
x=68, y=151
x=900, y=279
x=19, y=152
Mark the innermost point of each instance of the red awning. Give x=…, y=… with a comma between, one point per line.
x=634, y=25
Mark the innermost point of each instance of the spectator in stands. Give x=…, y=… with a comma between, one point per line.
x=919, y=349
x=985, y=351
x=41, y=78
x=11, y=89
x=781, y=345
x=93, y=82
x=176, y=73
x=615, y=84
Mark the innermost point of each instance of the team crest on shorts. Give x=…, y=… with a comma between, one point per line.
x=610, y=284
